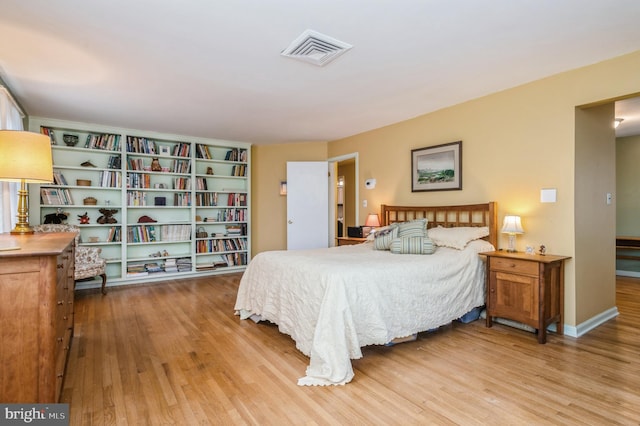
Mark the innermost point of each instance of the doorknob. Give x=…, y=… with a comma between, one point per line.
x=290, y=222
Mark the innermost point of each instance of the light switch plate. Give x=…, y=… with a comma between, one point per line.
x=548, y=195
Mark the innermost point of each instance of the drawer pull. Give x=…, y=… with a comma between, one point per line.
x=60, y=265
x=60, y=302
x=59, y=339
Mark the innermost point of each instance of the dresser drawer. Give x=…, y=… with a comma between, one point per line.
x=516, y=266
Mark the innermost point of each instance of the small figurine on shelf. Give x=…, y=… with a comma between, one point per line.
x=155, y=165
x=107, y=216
x=84, y=218
x=209, y=170
x=56, y=218
x=543, y=250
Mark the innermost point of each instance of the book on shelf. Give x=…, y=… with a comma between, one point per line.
x=202, y=151
x=59, y=179
x=48, y=131
x=153, y=267
x=56, y=196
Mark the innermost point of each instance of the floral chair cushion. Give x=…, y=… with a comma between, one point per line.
x=88, y=263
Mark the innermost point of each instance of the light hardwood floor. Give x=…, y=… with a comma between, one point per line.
x=174, y=353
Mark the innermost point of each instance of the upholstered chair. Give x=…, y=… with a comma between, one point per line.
x=88, y=262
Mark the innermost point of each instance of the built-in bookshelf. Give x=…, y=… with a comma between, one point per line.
x=180, y=204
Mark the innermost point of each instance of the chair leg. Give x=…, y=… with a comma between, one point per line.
x=104, y=283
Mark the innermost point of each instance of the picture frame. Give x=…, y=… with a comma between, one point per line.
x=437, y=168
x=165, y=150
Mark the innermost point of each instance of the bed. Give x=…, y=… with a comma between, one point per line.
x=335, y=301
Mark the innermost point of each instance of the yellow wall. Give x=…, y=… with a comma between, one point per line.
x=515, y=142
x=268, y=207
x=627, y=187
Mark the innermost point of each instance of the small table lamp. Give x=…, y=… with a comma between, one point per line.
x=372, y=221
x=512, y=226
x=25, y=157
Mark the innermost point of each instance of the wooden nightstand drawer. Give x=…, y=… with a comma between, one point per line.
x=515, y=265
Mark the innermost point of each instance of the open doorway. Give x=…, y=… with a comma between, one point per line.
x=343, y=200
x=627, y=189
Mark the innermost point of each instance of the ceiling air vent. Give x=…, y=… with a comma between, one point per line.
x=315, y=48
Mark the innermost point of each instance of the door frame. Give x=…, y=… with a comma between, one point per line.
x=333, y=167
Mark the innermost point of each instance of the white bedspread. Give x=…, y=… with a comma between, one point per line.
x=334, y=301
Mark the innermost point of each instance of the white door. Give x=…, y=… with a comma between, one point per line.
x=307, y=205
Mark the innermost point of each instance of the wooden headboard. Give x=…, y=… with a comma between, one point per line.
x=447, y=216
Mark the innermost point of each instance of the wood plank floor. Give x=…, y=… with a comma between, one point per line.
x=174, y=353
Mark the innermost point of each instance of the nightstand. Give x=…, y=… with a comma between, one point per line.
x=527, y=288
x=347, y=241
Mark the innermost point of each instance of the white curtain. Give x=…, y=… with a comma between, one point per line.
x=10, y=119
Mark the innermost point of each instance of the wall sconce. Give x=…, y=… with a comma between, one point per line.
x=372, y=221
x=25, y=157
x=370, y=183
x=512, y=226
x=617, y=122
x=283, y=187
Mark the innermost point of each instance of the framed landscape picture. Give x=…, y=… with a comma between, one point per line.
x=437, y=168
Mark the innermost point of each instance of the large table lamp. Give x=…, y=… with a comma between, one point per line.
x=25, y=157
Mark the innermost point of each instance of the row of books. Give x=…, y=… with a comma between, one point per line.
x=58, y=178
x=107, y=142
x=180, y=166
x=114, y=162
x=138, y=180
x=210, y=199
x=181, y=149
x=136, y=198
x=182, y=199
x=141, y=145
x=201, y=184
x=48, y=131
x=175, y=232
x=236, y=154
x=141, y=234
x=181, y=183
x=202, y=151
x=109, y=179
x=221, y=245
x=56, y=196
x=231, y=215
x=115, y=234
x=239, y=170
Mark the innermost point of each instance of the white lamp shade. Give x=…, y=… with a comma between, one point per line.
x=372, y=220
x=25, y=155
x=512, y=225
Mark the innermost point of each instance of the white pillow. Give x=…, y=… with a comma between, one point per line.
x=458, y=237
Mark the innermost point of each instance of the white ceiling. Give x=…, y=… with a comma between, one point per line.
x=213, y=68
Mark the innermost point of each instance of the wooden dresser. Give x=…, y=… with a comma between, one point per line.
x=36, y=315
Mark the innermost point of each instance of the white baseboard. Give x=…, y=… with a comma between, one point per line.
x=628, y=273
x=589, y=324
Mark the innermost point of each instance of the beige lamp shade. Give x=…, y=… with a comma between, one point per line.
x=25, y=156
x=512, y=225
x=372, y=220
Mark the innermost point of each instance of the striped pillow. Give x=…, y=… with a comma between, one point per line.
x=412, y=245
x=383, y=237
x=413, y=228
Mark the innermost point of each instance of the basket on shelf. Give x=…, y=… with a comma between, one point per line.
x=90, y=201
x=201, y=233
x=83, y=182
